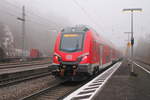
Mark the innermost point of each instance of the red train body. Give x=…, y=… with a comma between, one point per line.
x=80, y=51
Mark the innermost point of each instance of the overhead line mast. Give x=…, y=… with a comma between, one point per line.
x=23, y=31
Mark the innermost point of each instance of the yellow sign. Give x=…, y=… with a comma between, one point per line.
x=129, y=44
x=71, y=35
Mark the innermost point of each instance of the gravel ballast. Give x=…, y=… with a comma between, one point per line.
x=20, y=90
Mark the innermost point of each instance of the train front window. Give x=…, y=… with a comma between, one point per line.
x=71, y=42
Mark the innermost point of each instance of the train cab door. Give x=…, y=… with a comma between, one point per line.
x=101, y=56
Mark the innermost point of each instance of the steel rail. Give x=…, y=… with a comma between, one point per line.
x=19, y=80
x=42, y=91
x=23, y=65
x=26, y=62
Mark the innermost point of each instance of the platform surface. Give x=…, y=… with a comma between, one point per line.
x=123, y=86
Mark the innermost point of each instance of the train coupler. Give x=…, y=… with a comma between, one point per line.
x=74, y=72
x=56, y=72
x=62, y=71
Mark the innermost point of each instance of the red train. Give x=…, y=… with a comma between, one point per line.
x=80, y=52
x=34, y=53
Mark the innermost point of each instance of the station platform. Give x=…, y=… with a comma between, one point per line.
x=123, y=86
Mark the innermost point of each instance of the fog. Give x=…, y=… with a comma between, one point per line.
x=143, y=48
x=44, y=18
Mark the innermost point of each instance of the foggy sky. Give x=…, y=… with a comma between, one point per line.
x=105, y=16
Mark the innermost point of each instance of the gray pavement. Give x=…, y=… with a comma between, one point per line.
x=123, y=86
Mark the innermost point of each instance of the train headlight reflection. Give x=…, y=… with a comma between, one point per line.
x=64, y=66
x=84, y=58
x=74, y=66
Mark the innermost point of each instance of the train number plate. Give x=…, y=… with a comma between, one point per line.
x=69, y=57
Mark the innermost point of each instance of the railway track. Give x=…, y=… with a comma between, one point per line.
x=5, y=66
x=13, y=81
x=10, y=77
x=54, y=92
x=24, y=62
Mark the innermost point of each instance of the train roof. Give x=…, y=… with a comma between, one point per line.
x=103, y=40
x=84, y=28
x=77, y=28
x=106, y=42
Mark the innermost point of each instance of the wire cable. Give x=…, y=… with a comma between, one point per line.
x=32, y=14
x=87, y=14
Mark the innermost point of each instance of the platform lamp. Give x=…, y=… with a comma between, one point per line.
x=132, y=10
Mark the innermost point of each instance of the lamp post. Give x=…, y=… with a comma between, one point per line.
x=132, y=10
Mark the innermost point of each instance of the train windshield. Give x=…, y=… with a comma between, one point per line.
x=71, y=42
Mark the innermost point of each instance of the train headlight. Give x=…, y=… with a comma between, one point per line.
x=84, y=58
x=64, y=66
x=56, y=58
x=74, y=66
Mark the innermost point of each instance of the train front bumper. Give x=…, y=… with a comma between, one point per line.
x=82, y=69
